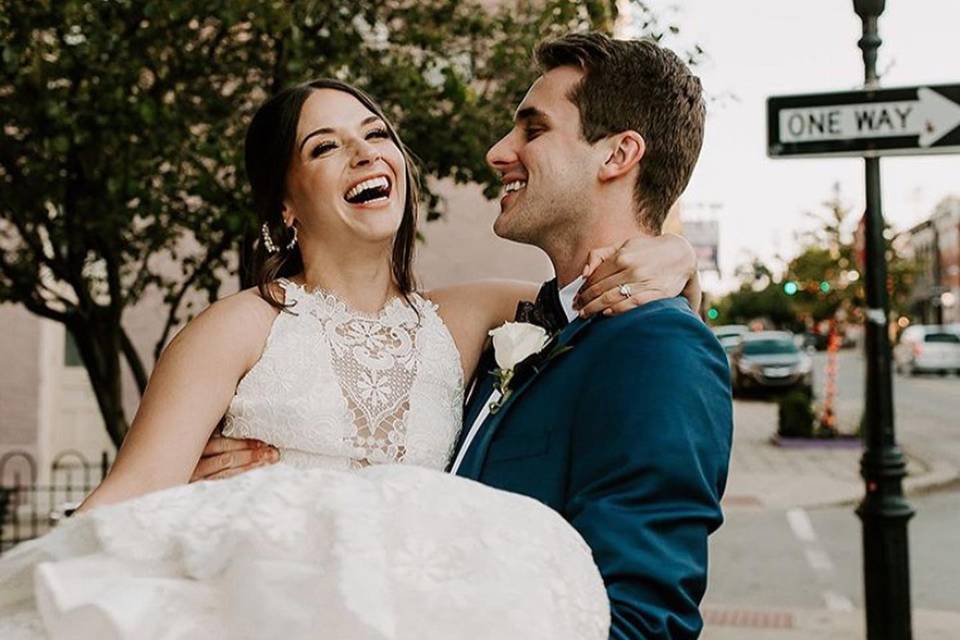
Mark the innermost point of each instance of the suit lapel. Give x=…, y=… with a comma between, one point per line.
x=473, y=460
x=482, y=388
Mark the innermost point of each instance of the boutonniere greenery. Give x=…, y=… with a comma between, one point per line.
x=515, y=343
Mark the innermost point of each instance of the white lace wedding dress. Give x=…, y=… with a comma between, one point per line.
x=356, y=534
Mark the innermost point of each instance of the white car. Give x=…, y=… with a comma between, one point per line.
x=927, y=349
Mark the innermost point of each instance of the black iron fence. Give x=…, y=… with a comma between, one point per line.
x=29, y=509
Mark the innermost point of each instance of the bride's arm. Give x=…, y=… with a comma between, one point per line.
x=654, y=267
x=189, y=391
x=471, y=309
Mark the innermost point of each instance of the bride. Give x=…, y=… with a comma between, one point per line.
x=356, y=380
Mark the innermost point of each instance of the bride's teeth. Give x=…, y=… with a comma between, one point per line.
x=516, y=185
x=379, y=181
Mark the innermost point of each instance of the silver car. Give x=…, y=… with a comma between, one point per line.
x=770, y=360
x=925, y=348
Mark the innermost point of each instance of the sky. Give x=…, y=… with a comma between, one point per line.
x=758, y=48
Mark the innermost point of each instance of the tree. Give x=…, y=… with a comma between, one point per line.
x=827, y=268
x=748, y=304
x=121, y=147
x=825, y=277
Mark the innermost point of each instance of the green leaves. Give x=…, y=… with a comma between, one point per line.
x=825, y=274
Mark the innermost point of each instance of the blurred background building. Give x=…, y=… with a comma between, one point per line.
x=935, y=246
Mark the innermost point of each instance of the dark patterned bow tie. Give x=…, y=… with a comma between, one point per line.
x=547, y=311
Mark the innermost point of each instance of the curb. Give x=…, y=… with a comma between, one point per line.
x=839, y=442
x=787, y=493
x=938, y=474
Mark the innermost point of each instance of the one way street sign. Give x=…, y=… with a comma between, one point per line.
x=907, y=121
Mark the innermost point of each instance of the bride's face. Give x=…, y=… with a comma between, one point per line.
x=346, y=180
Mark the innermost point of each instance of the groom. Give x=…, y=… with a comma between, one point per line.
x=626, y=429
x=621, y=424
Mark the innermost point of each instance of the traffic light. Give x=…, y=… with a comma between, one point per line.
x=712, y=313
x=790, y=287
x=825, y=287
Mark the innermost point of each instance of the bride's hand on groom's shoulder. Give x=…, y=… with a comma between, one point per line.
x=225, y=457
x=647, y=268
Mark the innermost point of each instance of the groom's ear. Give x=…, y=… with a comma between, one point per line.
x=624, y=152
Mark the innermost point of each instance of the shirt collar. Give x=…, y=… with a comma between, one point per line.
x=567, y=294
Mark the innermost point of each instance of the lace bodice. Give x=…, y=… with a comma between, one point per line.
x=337, y=388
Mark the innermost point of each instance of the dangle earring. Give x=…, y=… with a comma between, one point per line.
x=293, y=240
x=267, y=240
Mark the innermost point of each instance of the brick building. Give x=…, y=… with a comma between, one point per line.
x=935, y=245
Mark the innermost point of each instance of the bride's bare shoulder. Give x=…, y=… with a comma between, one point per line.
x=244, y=308
x=239, y=323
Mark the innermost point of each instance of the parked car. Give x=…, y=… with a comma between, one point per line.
x=925, y=348
x=770, y=360
x=729, y=335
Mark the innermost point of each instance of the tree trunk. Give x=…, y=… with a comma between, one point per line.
x=99, y=342
x=134, y=361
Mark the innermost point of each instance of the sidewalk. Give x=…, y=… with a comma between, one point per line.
x=734, y=624
x=767, y=477
x=764, y=475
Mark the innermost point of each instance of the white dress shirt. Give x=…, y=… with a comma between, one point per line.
x=567, y=294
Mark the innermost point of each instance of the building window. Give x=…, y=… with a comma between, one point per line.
x=71, y=355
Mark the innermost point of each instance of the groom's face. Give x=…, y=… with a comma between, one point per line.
x=546, y=166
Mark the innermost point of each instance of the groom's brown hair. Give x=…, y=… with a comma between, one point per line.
x=640, y=86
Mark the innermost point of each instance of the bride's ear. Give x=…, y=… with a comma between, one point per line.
x=624, y=152
x=286, y=214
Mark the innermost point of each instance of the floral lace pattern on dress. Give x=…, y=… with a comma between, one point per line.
x=337, y=388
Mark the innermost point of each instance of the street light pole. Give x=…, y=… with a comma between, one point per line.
x=883, y=511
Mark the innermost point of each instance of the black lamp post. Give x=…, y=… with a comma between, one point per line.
x=884, y=512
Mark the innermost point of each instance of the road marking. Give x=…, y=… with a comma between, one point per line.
x=801, y=526
x=819, y=560
x=837, y=602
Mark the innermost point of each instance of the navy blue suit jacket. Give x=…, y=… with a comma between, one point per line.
x=628, y=436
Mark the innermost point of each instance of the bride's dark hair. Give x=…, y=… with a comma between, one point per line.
x=268, y=151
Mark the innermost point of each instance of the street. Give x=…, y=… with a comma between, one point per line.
x=778, y=558
x=768, y=559
x=927, y=406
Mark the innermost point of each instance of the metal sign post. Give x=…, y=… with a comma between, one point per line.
x=871, y=123
x=884, y=512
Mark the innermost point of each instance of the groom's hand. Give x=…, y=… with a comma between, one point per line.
x=653, y=268
x=226, y=457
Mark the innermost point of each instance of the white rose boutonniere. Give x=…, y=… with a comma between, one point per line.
x=514, y=342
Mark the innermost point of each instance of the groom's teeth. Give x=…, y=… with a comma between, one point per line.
x=510, y=187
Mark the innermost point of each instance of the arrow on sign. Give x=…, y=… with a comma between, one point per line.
x=939, y=116
x=929, y=117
